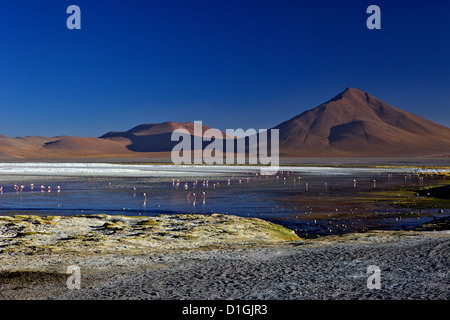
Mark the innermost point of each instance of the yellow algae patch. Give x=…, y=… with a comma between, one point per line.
x=106, y=234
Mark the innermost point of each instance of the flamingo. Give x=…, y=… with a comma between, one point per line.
x=204, y=197
x=145, y=199
x=191, y=198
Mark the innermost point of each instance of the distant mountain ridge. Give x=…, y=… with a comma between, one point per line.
x=155, y=137
x=352, y=124
x=154, y=128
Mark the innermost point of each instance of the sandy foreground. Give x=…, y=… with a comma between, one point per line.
x=212, y=257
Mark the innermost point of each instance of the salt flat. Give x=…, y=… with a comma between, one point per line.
x=146, y=170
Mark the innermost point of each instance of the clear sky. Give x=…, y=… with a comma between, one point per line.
x=229, y=63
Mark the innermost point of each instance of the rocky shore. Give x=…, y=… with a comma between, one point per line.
x=212, y=257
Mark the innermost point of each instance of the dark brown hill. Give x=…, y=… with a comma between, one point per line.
x=155, y=137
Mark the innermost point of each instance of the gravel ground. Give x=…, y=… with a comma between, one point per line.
x=413, y=266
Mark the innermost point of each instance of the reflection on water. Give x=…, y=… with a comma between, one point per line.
x=312, y=203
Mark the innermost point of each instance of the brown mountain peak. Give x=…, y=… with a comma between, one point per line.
x=350, y=94
x=357, y=123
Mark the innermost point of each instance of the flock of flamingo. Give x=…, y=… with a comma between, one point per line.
x=21, y=188
x=194, y=190
x=191, y=196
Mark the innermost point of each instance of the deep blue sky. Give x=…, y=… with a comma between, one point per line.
x=230, y=63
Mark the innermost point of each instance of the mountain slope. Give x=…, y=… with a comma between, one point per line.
x=141, y=141
x=155, y=137
x=355, y=123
